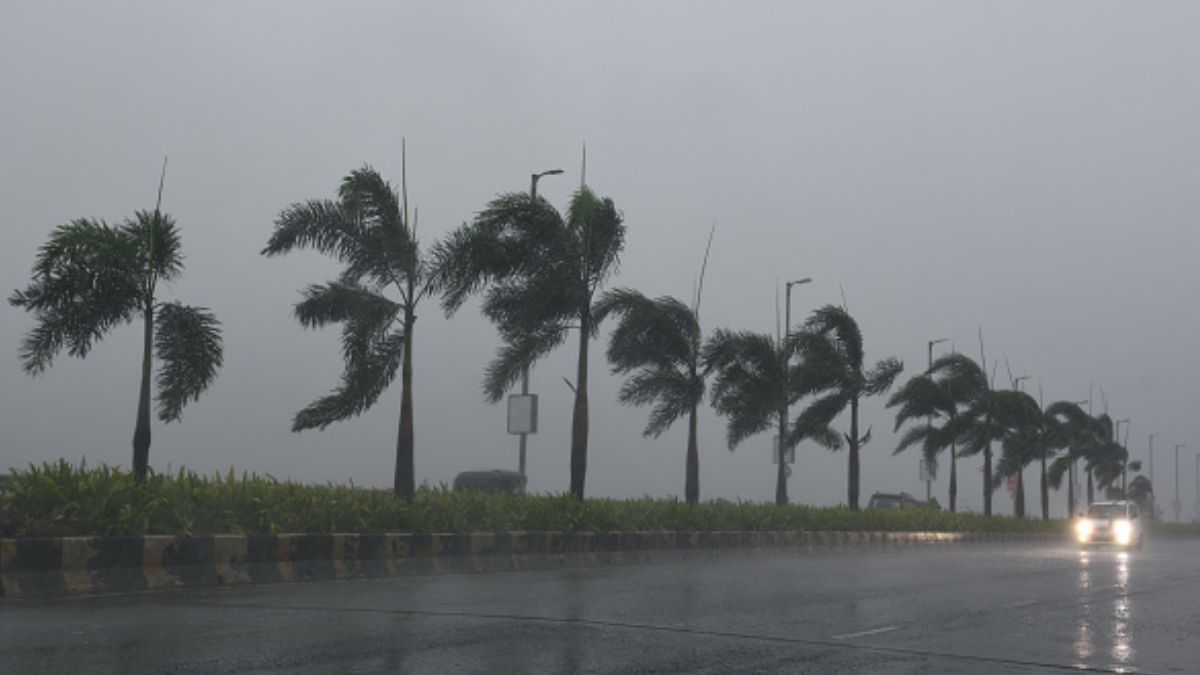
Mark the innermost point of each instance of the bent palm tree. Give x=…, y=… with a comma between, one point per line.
x=831, y=347
x=659, y=341
x=930, y=396
x=540, y=272
x=755, y=382
x=367, y=230
x=1077, y=433
x=975, y=428
x=91, y=277
x=1026, y=437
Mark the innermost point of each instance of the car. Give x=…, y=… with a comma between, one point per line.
x=1116, y=522
x=900, y=500
x=495, y=481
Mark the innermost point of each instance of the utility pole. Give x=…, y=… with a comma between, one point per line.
x=1178, y=506
x=1153, y=487
x=781, y=446
x=1124, y=447
x=533, y=181
x=929, y=423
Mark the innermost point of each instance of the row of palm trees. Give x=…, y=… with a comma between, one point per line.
x=541, y=274
x=955, y=408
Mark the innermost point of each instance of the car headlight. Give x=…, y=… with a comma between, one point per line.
x=1122, y=531
x=1084, y=528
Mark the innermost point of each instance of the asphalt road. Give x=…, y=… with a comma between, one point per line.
x=971, y=609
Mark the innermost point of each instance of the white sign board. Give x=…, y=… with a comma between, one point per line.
x=522, y=413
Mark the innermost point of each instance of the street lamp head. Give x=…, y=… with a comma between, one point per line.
x=551, y=172
x=937, y=341
x=805, y=280
x=1081, y=403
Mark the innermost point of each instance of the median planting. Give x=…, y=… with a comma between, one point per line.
x=62, y=499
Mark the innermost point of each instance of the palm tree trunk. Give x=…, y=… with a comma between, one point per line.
x=987, y=480
x=852, y=487
x=1045, y=491
x=404, y=484
x=691, y=488
x=781, y=495
x=141, y=429
x=953, y=479
x=1071, y=490
x=579, y=418
x=1091, y=489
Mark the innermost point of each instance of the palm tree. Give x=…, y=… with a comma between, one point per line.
x=1025, y=438
x=831, y=348
x=366, y=229
x=541, y=273
x=976, y=427
x=930, y=396
x=91, y=277
x=659, y=341
x=756, y=380
x=1076, y=432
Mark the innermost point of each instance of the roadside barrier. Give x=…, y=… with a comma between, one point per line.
x=34, y=567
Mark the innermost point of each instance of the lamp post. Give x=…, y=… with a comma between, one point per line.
x=1153, y=506
x=929, y=424
x=1017, y=382
x=1125, y=460
x=1178, y=506
x=533, y=182
x=781, y=478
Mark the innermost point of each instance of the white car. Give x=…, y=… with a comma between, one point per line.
x=1110, y=522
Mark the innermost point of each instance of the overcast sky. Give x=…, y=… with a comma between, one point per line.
x=1029, y=167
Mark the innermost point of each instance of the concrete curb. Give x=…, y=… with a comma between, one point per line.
x=34, y=567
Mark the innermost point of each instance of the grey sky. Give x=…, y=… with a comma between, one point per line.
x=1029, y=167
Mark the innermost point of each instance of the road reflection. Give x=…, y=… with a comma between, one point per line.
x=1109, y=631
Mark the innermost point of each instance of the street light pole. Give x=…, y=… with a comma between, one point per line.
x=1177, y=504
x=929, y=425
x=1071, y=473
x=1125, y=460
x=781, y=478
x=533, y=181
x=1153, y=500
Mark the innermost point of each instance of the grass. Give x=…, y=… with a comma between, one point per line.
x=60, y=499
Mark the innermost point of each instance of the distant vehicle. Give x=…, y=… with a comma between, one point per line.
x=900, y=500
x=1116, y=522
x=496, y=481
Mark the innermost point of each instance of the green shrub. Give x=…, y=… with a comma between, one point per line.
x=57, y=499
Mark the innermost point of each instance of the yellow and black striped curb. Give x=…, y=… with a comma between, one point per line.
x=32, y=567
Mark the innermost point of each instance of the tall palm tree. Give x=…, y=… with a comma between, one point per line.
x=659, y=341
x=91, y=277
x=1077, y=433
x=1026, y=437
x=541, y=272
x=930, y=397
x=831, y=349
x=756, y=380
x=367, y=229
x=976, y=427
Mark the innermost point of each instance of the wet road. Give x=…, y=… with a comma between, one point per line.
x=975, y=609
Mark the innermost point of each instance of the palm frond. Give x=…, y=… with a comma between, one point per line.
x=662, y=332
x=188, y=343
x=880, y=378
x=365, y=377
x=816, y=420
x=88, y=279
x=159, y=245
x=518, y=351
x=837, y=322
